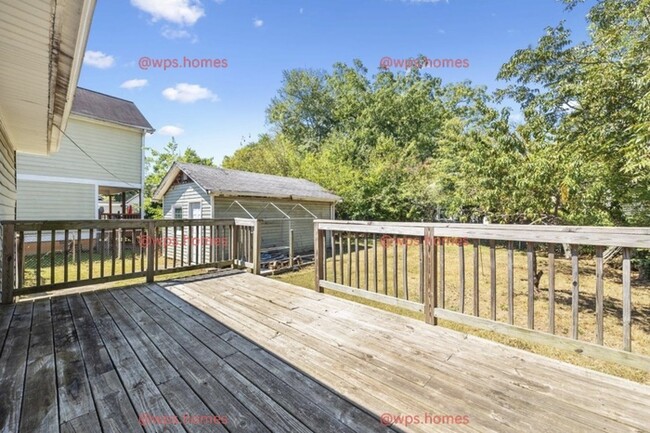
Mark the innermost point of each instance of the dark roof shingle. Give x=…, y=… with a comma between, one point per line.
x=109, y=108
x=234, y=182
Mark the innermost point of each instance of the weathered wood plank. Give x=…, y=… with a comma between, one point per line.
x=575, y=292
x=599, y=296
x=116, y=414
x=627, y=300
x=143, y=393
x=40, y=408
x=461, y=276
x=12, y=367
x=551, y=288
x=215, y=376
x=493, y=280
x=379, y=297
x=441, y=247
x=531, y=258
x=199, y=322
x=292, y=400
x=475, y=294
x=75, y=397
x=613, y=355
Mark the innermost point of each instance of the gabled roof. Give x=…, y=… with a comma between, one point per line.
x=235, y=183
x=100, y=106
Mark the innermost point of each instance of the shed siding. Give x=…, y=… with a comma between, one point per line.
x=117, y=149
x=7, y=179
x=55, y=201
x=182, y=195
x=276, y=233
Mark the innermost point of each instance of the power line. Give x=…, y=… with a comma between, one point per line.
x=95, y=161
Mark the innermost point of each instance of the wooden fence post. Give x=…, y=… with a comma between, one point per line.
x=257, y=246
x=319, y=263
x=234, y=241
x=291, y=248
x=430, y=276
x=8, y=263
x=151, y=243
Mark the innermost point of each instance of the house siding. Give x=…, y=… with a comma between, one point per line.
x=117, y=149
x=7, y=178
x=55, y=201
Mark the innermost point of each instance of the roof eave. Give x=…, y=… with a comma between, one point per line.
x=63, y=98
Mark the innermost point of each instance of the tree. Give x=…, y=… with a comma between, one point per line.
x=589, y=104
x=157, y=165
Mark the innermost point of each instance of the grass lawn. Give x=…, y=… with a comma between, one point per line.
x=587, y=317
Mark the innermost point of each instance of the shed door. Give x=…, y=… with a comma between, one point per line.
x=195, y=210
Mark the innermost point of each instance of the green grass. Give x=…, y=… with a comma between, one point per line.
x=587, y=322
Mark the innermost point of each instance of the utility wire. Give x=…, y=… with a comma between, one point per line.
x=95, y=161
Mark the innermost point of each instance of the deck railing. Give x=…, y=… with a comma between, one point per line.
x=510, y=279
x=42, y=256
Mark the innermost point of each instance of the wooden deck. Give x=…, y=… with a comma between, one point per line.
x=247, y=353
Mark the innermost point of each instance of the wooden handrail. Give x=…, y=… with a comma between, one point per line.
x=385, y=240
x=40, y=255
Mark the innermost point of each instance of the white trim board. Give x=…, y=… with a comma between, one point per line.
x=41, y=178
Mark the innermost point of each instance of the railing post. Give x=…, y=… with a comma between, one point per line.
x=234, y=244
x=430, y=276
x=291, y=249
x=8, y=262
x=151, y=242
x=319, y=262
x=257, y=246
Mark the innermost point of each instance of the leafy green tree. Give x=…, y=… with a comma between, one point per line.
x=589, y=103
x=157, y=165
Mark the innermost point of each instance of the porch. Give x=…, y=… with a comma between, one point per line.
x=239, y=352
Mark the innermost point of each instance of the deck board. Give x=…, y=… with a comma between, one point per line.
x=269, y=356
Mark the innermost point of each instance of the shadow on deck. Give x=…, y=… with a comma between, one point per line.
x=245, y=353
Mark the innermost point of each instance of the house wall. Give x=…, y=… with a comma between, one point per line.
x=7, y=178
x=55, y=200
x=64, y=185
x=116, y=148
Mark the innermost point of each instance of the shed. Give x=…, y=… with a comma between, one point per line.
x=280, y=203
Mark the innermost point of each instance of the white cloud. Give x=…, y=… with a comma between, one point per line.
x=170, y=33
x=98, y=59
x=257, y=23
x=186, y=93
x=134, y=84
x=183, y=12
x=171, y=130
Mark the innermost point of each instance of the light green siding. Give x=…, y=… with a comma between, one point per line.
x=55, y=201
x=117, y=149
x=7, y=179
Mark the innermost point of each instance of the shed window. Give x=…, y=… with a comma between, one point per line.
x=178, y=212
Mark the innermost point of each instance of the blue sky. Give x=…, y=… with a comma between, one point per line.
x=215, y=109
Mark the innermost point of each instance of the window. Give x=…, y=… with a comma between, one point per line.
x=178, y=212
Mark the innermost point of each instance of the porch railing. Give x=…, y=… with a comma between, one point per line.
x=40, y=256
x=510, y=279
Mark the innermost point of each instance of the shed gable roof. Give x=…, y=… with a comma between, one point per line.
x=226, y=182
